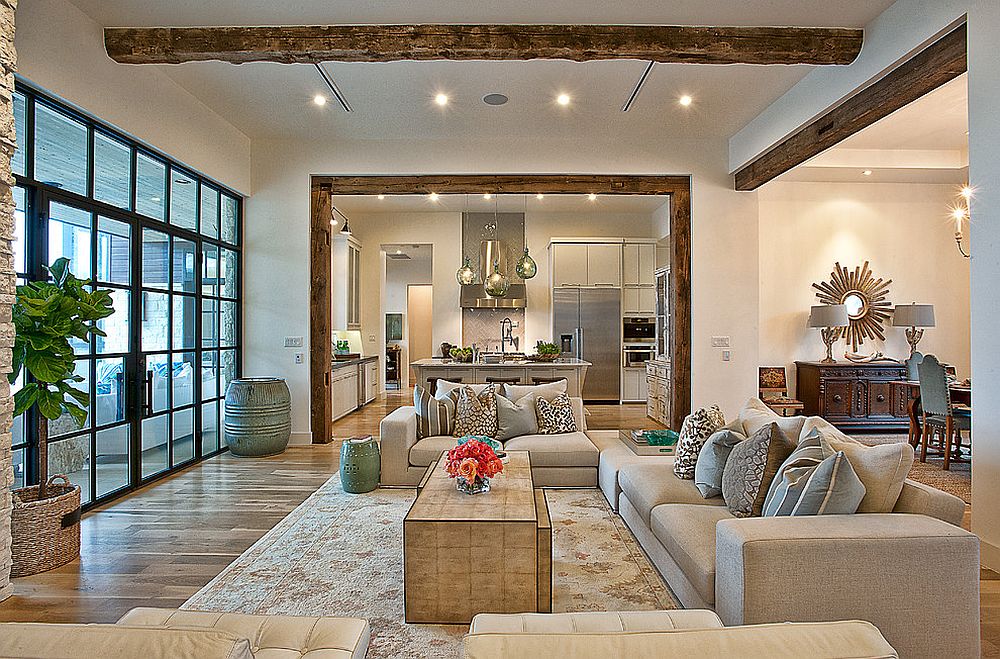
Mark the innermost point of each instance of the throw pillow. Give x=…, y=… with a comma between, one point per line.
x=434, y=417
x=712, y=461
x=751, y=467
x=695, y=431
x=555, y=416
x=881, y=468
x=814, y=480
x=548, y=391
x=516, y=419
x=755, y=414
x=446, y=388
x=476, y=414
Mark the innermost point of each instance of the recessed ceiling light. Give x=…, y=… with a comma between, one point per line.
x=966, y=192
x=487, y=196
x=441, y=99
x=319, y=99
x=399, y=251
x=495, y=99
x=867, y=172
x=562, y=99
x=685, y=100
x=592, y=197
x=433, y=196
x=381, y=197
x=539, y=196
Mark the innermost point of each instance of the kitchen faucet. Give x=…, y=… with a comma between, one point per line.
x=507, y=334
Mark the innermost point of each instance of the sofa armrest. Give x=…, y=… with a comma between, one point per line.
x=903, y=573
x=917, y=498
x=397, y=433
x=579, y=415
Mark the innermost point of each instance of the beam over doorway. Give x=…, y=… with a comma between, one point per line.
x=324, y=188
x=943, y=60
x=310, y=44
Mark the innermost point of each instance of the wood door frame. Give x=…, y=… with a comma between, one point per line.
x=924, y=71
x=324, y=188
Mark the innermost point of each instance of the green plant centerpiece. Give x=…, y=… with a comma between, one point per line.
x=47, y=314
x=546, y=352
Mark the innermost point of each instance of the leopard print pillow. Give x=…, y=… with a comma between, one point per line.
x=555, y=416
x=476, y=414
x=695, y=431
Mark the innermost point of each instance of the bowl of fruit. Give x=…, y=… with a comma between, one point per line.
x=461, y=354
x=545, y=352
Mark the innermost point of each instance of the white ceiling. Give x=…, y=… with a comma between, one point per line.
x=352, y=205
x=394, y=101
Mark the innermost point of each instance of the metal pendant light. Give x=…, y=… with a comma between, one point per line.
x=497, y=283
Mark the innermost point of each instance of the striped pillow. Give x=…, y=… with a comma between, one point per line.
x=434, y=416
x=814, y=480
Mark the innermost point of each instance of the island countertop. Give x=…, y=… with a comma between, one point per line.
x=510, y=363
x=511, y=371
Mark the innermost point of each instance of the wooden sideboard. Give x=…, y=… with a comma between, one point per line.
x=855, y=396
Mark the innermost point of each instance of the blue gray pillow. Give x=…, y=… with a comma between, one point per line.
x=814, y=480
x=712, y=461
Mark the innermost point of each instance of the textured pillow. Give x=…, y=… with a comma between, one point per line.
x=446, y=388
x=516, y=419
x=476, y=414
x=814, y=480
x=555, y=416
x=695, y=431
x=434, y=417
x=548, y=391
x=881, y=468
x=751, y=467
x=755, y=414
x=712, y=461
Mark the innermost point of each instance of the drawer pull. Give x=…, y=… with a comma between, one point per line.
x=880, y=398
x=837, y=398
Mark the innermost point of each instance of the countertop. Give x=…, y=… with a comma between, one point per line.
x=340, y=363
x=564, y=362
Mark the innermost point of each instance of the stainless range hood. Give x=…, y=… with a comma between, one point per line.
x=474, y=295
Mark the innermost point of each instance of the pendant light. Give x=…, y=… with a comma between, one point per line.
x=497, y=284
x=526, y=267
x=466, y=275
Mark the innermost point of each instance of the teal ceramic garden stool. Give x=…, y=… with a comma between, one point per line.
x=360, y=465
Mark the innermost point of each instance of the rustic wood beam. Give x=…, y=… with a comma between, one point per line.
x=680, y=306
x=932, y=67
x=309, y=44
x=320, y=329
x=505, y=184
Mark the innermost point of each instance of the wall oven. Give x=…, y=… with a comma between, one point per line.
x=639, y=330
x=636, y=356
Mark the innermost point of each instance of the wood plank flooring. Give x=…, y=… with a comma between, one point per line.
x=160, y=545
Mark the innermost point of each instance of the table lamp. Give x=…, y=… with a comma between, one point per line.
x=912, y=317
x=829, y=318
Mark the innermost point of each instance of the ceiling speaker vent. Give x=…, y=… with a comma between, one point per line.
x=495, y=99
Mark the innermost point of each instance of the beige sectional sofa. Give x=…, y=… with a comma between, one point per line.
x=563, y=460
x=168, y=633
x=689, y=633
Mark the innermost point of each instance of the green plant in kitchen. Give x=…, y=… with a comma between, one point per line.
x=461, y=354
x=47, y=314
x=546, y=351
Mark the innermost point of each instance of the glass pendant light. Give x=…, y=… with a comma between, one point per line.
x=497, y=283
x=466, y=275
x=526, y=267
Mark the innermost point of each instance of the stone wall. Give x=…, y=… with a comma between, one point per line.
x=8, y=64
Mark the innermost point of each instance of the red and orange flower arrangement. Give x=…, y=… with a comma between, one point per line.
x=472, y=465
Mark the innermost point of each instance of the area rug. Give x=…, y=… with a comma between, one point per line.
x=341, y=555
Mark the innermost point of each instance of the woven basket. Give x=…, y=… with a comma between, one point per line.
x=45, y=533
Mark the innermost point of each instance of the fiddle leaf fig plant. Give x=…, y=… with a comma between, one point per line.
x=47, y=314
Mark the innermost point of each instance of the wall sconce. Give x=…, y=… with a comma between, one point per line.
x=961, y=213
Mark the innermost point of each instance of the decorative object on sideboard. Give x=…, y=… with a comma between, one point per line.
x=526, y=267
x=830, y=318
x=865, y=300
x=914, y=317
x=962, y=212
x=497, y=283
x=466, y=275
x=258, y=417
x=874, y=357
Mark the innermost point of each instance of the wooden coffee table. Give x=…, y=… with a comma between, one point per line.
x=482, y=553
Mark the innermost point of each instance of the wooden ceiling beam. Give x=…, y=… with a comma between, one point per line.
x=389, y=43
x=504, y=184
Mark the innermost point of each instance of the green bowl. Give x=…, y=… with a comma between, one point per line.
x=489, y=441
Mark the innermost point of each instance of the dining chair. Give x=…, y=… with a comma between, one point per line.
x=938, y=413
x=911, y=364
x=913, y=375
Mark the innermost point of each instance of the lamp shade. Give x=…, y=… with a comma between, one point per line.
x=913, y=315
x=828, y=315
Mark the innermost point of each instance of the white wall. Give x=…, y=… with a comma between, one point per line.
x=724, y=265
x=61, y=50
x=900, y=228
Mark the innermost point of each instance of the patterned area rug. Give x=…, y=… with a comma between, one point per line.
x=341, y=554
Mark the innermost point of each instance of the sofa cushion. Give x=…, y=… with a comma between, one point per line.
x=429, y=449
x=556, y=416
x=548, y=391
x=751, y=467
x=755, y=414
x=687, y=532
x=476, y=412
x=571, y=449
x=712, y=461
x=515, y=419
x=649, y=484
x=814, y=480
x=695, y=431
x=593, y=622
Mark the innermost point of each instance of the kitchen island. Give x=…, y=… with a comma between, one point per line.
x=574, y=371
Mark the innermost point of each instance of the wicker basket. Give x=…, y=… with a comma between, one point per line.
x=45, y=533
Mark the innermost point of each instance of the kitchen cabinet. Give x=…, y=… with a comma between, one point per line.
x=371, y=380
x=638, y=264
x=633, y=385
x=586, y=264
x=638, y=301
x=345, y=282
x=353, y=286
x=658, y=394
x=569, y=264
x=853, y=396
x=344, y=390
x=604, y=264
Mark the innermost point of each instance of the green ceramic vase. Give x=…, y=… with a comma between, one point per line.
x=360, y=465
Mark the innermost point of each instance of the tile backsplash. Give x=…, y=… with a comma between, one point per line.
x=482, y=327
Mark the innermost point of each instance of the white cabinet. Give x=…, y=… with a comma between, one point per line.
x=344, y=390
x=371, y=380
x=638, y=301
x=569, y=264
x=353, y=286
x=345, y=282
x=633, y=385
x=604, y=264
x=638, y=264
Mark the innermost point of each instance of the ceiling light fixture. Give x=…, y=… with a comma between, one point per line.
x=441, y=99
x=399, y=251
x=562, y=99
x=487, y=196
x=346, y=229
x=433, y=196
x=867, y=172
x=966, y=192
x=539, y=196
x=339, y=95
x=381, y=197
x=592, y=197
x=319, y=99
x=685, y=100
x=638, y=87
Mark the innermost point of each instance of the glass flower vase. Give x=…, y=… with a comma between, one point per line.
x=477, y=486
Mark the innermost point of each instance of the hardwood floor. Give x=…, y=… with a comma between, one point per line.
x=160, y=545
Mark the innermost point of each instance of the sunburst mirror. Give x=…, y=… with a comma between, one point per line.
x=865, y=299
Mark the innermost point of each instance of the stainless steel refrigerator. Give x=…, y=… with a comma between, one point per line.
x=587, y=324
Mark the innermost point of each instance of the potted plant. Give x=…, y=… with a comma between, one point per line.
x=45, y=526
